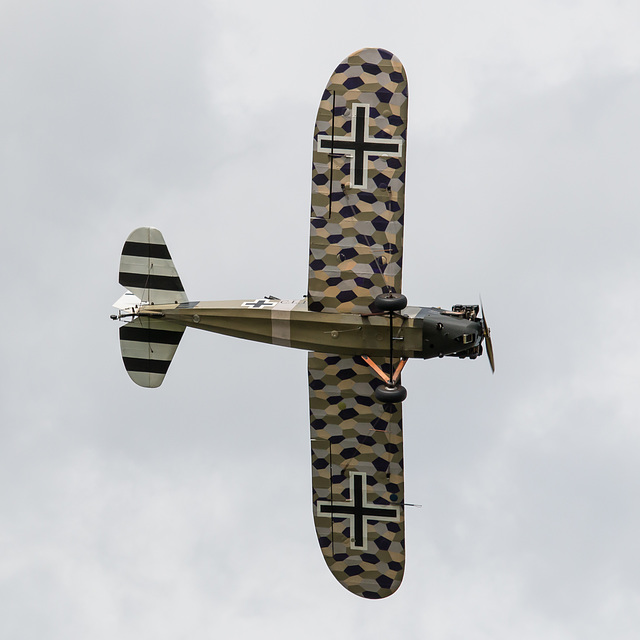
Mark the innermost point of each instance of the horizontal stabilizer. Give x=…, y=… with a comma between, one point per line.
x=148, y=346
x=147, y=270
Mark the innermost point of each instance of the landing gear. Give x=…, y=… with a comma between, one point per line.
x=390, y=302
x=390, y=392
x=390, y=395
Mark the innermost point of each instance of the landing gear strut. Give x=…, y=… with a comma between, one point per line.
x=390, y=392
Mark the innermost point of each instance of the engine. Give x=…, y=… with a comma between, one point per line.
x=456, y=333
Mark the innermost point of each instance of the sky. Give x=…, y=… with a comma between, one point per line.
x=185, y=511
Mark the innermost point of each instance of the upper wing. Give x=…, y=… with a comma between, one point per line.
x=357, y=476
x=357, y=196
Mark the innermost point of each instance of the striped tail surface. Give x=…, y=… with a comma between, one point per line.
x=147, y=270
x=148, y=346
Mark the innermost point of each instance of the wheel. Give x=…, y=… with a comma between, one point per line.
x=390, y=302
x=393, y=395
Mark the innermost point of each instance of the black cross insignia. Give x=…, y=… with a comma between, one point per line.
x=360, y=145
x=358, y=510
x=257, y=304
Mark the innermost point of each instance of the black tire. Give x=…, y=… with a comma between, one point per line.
x=390, y=395
x=390, y=302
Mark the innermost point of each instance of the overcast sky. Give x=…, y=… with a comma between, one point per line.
x=185, y=511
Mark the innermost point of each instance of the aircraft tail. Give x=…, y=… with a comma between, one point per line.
x=147, y=270
x=148, y=344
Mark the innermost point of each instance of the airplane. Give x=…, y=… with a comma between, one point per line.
x=354, y=321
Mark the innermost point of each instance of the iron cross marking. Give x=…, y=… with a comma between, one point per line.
x=358, y=510
x=360, y=145
x=257, y=304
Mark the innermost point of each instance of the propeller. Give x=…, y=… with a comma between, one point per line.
x=487, y=338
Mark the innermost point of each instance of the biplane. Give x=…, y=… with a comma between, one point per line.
x=354, y=321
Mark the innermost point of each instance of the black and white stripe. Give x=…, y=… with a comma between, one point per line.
x=147, y=270
x=148, y=346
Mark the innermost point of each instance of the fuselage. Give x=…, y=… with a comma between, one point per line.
x=418, y=332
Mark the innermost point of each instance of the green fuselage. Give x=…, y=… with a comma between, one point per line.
x=418, y=332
